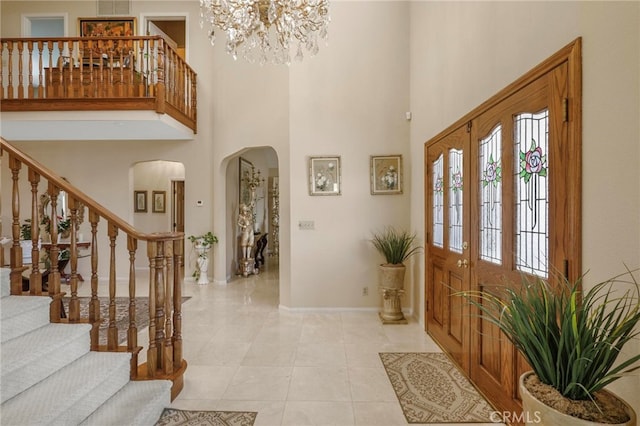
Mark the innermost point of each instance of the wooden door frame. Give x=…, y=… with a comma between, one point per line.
x=572, y=110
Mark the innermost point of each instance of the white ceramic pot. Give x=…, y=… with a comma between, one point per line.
x=537, y=413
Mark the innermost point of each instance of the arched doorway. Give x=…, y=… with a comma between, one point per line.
x=263, y=162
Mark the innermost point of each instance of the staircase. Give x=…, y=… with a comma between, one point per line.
x=48, y=375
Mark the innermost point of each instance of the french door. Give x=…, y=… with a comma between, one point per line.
x=502, y=201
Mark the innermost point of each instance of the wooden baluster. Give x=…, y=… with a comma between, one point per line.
x=160, y=85
x=16, y=250
x=142, y=92
x=41, y=82
x=160, y=298
x=35, y=279
x=50, y=88
x=2, y=95
x=74, y=303
x=54, y=274
x=94, y=303
x=21, y=87
x=30, y=76
x=152, y=351
x=112, y=331
x=10, y=94
x=177, y=303
x=132, y=333
x=167, y=359
x=194, y=103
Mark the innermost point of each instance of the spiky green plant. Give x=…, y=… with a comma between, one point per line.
x=396, y=246
x=570, y=338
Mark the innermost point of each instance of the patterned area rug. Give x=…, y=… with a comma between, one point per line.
x=431, y=389
x=122, y=314
x=172, y=417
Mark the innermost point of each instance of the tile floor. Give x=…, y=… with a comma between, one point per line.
x=293, y=368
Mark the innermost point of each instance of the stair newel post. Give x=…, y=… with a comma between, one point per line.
x=167, y=361
x=94, y=303
x=161, y=266
x=177, y=303
x=74, y=303
x=35, y=278
x=112, y=331
x=16, y=250
x=132, y=332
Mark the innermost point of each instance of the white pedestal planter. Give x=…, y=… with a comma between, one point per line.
x=202, y=264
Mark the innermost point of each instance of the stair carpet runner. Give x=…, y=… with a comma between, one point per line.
x=49, y=376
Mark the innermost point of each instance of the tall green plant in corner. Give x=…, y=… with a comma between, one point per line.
x=396, y=246
x=571, y=338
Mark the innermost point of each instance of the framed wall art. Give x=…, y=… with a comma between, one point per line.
x=107, y=27
x=324, y=175
x=386, y=174
x=159, y=201
x=140, y=201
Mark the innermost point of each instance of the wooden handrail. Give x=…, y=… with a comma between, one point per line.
x=89, y=73
x=164, y=251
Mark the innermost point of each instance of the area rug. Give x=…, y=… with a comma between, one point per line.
x=172, y=417
x=431, y=389
x=122, y=314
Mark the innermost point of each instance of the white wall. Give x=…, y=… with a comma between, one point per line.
x=464, y=52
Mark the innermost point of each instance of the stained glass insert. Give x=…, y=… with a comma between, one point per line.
x=531, y=137
x=491, y=196
x=438, y=202
x=455, y=200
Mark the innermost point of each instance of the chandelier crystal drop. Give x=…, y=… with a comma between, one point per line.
x=267, y=30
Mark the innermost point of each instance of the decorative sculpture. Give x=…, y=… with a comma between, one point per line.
x=247, y=264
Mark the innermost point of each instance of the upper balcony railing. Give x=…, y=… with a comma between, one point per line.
x=88, y=73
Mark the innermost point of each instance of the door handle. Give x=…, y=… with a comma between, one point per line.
x=463, y=263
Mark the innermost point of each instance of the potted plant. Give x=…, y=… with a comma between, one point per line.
x=571, y=339
x=202, y=244
x=396, y=246
x=26, y=242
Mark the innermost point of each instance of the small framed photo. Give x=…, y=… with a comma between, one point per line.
x=386, y=174
x=140, y=201
x=324, y=176
x=159, y=201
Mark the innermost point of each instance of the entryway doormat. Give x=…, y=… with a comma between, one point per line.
x=431, y=389
x=173, y=417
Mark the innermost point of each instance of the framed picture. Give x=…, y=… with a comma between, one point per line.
x=139, y=201
x=324, y=176
x=107, y=27
x=244, y=174
x=159, y=201
x=386, y=174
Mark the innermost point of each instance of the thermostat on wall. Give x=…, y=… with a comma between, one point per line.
x=199, y=203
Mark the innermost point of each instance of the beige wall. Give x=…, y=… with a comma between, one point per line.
x=464, y=52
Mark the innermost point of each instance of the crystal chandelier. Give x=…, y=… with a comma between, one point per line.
x=267, y=30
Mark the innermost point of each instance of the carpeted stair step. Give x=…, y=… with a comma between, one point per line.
x=30, y=358
x=71, y=394
x=5, y=286
x=138, y=403
x=22, y=314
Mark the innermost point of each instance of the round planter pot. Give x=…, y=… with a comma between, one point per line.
x=391, y=276
x=535, y=412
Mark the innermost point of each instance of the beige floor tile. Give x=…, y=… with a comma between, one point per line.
x=259, y=384
x=305, y=413
x=319, y=384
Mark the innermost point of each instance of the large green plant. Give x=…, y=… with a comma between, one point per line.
x=570, y=338
x=396, y=246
